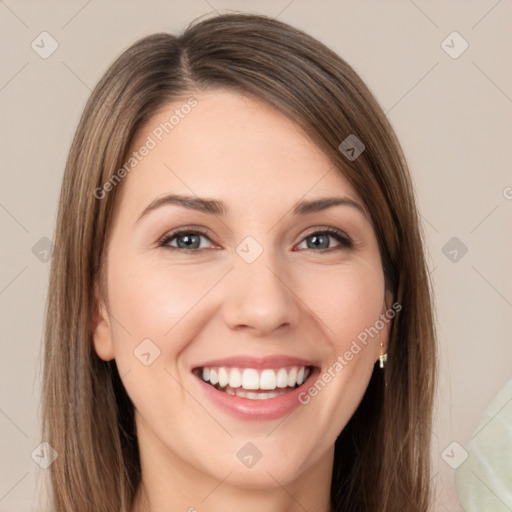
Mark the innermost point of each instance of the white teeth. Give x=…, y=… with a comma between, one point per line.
x=235, y=378
x=282, y=378
x=253, y=395
x=268, y=379
x=292, y=377
x=252, y=379
x=224, y=378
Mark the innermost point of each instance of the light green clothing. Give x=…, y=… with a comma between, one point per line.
x=484, y=479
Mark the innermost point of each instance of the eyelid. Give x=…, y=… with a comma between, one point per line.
x=326, y=229
x=185, y=230
x=343, y=238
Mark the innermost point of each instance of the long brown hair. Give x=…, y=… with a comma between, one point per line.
x=382, y=456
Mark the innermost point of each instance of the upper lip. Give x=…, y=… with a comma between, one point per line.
x=246, y=361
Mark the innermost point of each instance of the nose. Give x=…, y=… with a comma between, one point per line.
x=260, y=297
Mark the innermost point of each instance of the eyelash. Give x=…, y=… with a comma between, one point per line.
x=345, y=242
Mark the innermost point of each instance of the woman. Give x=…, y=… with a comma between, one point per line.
x=239, y=310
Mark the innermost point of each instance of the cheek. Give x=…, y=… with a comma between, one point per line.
x=155, y=300
x=347, y=300
x=160, y=302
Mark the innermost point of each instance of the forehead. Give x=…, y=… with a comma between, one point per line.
x=230, y=146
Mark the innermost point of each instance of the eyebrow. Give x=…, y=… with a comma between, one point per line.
x=215, y=207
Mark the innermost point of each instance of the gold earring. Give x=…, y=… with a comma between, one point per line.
x=383, y=357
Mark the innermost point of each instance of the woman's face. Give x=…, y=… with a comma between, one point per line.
x=239, y=282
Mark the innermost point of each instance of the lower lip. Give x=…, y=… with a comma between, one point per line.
x=257, y=410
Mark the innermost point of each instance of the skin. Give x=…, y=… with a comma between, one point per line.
x=293, y=299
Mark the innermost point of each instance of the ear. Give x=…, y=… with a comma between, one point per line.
x=384, y=332
x=101, y=328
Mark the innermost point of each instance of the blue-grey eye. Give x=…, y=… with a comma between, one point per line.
x=321, y=240
x=185, y=240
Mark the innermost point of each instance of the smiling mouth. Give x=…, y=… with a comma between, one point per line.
x=254, y=384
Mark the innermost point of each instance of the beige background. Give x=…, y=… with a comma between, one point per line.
x=453, y=117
